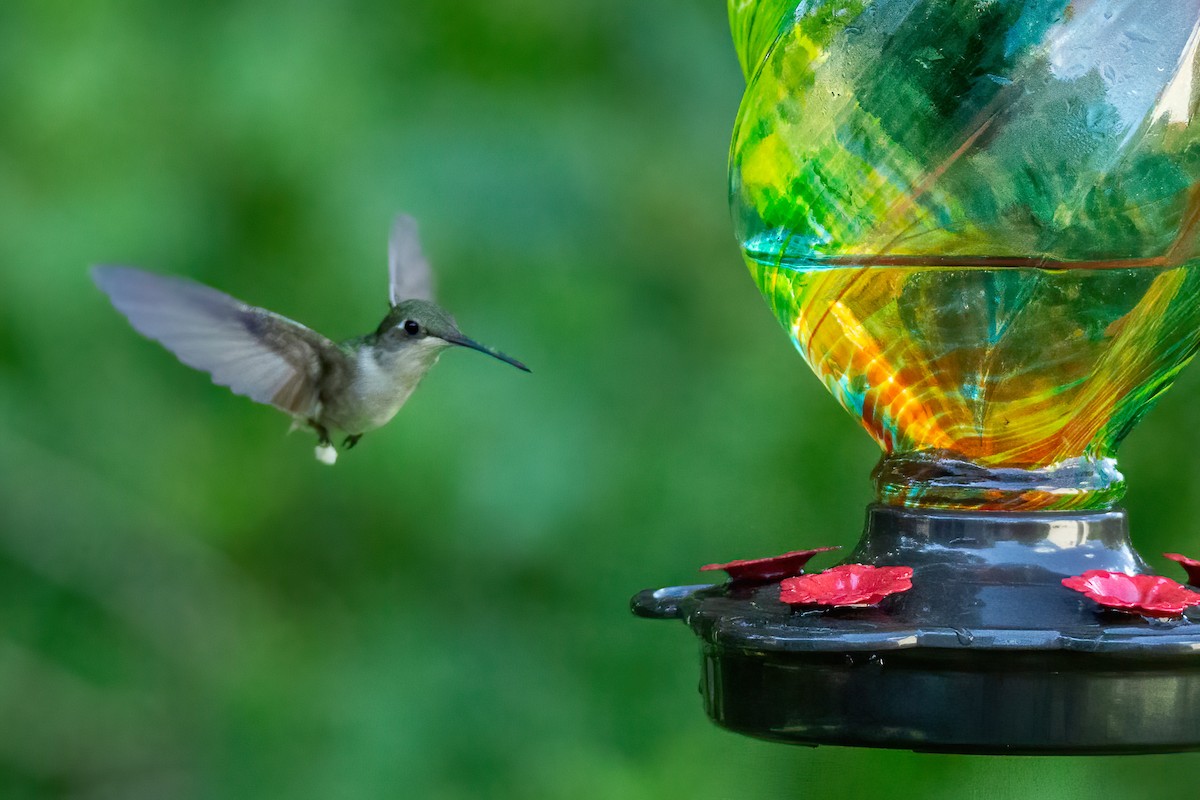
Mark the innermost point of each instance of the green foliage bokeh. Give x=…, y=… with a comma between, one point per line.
x=192, y=607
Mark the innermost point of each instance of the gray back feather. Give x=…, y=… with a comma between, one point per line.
x=409, y=274
x=254, y=352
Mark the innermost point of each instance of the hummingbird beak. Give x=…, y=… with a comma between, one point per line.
x=463, y=341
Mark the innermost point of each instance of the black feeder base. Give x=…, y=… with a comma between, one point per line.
x=988, y=653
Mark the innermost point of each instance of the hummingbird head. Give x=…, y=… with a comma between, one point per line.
x=421, y=323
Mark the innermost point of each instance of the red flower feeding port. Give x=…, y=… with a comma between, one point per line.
x=847, y=586
x=1146, y=595
x=768, y=569
x=1191, y=565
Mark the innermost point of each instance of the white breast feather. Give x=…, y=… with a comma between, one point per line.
x=384, y=384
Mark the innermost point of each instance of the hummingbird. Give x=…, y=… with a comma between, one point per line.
x=352, y=386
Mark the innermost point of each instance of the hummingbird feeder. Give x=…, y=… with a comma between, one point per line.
x=979, y=223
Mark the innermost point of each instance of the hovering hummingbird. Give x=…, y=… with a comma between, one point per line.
x=352, y=386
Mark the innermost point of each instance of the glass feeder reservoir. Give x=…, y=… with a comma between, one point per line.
x=979, y=222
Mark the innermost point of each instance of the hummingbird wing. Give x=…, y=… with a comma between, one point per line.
x=410, y=277
x=254, y=352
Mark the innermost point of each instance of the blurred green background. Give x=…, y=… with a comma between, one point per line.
x=192, y=607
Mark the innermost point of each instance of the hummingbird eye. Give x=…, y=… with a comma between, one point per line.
x=411, y=327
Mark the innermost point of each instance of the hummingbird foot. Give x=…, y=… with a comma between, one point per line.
x=322, y=432
x=326, y=453
x=350, y=441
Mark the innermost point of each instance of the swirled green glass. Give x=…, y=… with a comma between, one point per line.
x=978, y=221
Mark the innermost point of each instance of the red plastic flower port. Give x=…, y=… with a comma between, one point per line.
x=847, y=585
x=768, y=569
x=1147, y=595
x=1190, y=564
